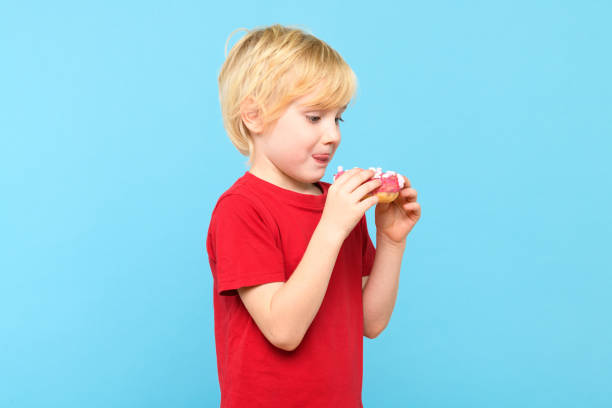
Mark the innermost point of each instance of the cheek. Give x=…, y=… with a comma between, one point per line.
x=297, y=143
x=293, y=141
x=284, y=150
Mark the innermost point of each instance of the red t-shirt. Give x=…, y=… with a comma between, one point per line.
x=258, y=234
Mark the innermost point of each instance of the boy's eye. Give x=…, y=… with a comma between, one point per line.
x=315, y=119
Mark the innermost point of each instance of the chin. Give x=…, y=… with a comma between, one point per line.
x=316, y=178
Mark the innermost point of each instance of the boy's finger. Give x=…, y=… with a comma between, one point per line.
x=358, y=179
x=368, y=203
x=367, y=187
x=346, y=175
x=406, y=181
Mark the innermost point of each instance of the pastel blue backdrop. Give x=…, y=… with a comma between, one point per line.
x=113, y=155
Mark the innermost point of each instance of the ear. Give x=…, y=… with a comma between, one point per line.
x=251, y=116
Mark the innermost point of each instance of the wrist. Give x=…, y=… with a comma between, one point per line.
x=331, y=235
x=382, y=239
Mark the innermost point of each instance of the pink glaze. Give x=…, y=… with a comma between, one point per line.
x=392, y=182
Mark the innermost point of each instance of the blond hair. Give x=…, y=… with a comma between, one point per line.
x=273, y=66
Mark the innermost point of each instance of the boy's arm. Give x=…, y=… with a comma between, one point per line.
x=380, y=291
x=283, y=311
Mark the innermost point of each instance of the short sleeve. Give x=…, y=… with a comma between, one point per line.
x=246, y=249
x=368, y=250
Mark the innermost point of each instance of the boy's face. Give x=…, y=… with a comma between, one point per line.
x=284, y=153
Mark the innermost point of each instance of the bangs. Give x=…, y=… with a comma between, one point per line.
x=332, y=90
x=326, y=76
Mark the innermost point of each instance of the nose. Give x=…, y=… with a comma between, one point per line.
x=332, y=135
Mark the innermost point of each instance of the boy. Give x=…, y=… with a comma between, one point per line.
x=291, y=255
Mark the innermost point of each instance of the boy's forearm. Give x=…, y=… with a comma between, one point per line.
x=295, y=305
x=380, y=291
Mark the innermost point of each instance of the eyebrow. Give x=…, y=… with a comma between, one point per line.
x=315, y=108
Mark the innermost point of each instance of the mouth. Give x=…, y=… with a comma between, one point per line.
x=321, y=158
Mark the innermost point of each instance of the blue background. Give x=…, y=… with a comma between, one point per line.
x=113, y=155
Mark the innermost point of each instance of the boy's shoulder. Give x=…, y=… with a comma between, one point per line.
x=240, y=196
x=248, y=195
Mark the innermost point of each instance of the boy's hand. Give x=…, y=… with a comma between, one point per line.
x=396, y=219
x=343, y=206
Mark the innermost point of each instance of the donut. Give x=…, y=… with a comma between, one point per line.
x=388, y=191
